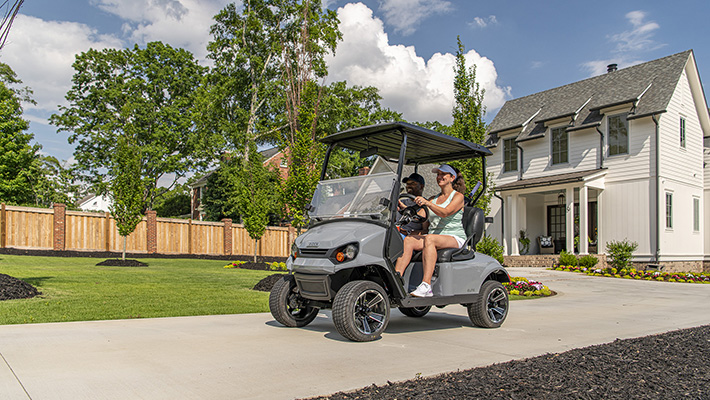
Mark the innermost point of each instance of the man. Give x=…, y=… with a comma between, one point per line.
x=414, y=185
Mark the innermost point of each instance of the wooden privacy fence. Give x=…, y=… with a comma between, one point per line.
x=58, y=229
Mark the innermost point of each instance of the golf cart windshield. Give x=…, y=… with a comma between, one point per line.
x=357, y=196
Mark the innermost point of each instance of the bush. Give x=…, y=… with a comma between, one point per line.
x=588, y=261
x=567, y=259
x=491, y=247
x=621, y=252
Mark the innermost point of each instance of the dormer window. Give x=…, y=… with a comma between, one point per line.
x=510, y=155
x=560, y=146
x=618, y=132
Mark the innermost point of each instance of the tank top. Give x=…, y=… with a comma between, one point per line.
x=450, y=225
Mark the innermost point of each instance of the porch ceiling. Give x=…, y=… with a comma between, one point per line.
x=552, y=180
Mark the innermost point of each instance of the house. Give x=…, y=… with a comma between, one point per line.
x=624, y=155
x=273, y=157
x=94, y=202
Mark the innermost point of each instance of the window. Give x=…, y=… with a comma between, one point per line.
x=510, y=155
x=682, y=132
x=669, y=210
x=696, y=214
x=559, y=146
x=284, y=162
x=618, y=135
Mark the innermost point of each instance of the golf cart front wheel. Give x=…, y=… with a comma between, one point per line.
x=415, y=312
x=491, y=307
x=361, y=311
x=287, y=306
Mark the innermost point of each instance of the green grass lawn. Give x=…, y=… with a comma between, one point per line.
x=75, y=289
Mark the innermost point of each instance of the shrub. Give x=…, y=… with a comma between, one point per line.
x=491, y=247
x=621, y=252
x=588, y=261
x=567, y=259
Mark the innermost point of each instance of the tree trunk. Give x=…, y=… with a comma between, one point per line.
x=256, y=243
x=125, y=238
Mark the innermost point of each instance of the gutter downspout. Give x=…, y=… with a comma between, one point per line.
x=520, y=166
x=657, y=254
x=601, y=148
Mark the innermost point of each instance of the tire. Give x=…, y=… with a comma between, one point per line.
x=491, y=307
x=361, y=311
x=286, y=305
x=415, y=312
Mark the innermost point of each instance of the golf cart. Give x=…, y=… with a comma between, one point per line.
x=345, y=260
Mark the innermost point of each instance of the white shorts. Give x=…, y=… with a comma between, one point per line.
x=458, y=239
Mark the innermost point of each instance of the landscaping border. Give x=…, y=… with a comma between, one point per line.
x=111, y=254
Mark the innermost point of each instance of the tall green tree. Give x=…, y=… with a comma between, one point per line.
x=468, y=124
x=126, y=188
x=147, y=94
x=19, y=158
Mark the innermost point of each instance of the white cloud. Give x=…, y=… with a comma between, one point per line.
x=180, y=23
x=406, y=15
x=421, y=90
x=479, y=22
x=629, y=44
x=42, y=52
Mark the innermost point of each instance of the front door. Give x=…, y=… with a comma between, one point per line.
x=557, y=226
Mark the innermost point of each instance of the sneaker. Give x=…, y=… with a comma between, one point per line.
x=423, y=290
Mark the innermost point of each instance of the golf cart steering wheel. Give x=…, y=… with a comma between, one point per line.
x=412, y=209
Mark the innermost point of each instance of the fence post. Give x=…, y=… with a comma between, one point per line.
x=189, y=236
x=227, y=236
x=151, y=231
x=59, y=229
x=3, y=226
x=107, y=231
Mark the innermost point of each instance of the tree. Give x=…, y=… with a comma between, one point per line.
x=173, y=203
x=56, y=183
x=9, y=14
x=146, y=94
x=468, y=124
x=19, y=159
x=126, y=187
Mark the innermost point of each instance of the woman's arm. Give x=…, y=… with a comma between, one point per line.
x=453, y=207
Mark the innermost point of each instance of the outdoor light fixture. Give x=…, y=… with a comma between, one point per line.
x=561, y=199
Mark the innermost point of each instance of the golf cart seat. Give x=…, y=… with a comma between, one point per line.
x=473, y=221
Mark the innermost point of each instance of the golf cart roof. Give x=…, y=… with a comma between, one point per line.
x=423, y=145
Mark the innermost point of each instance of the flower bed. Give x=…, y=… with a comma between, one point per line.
x=523, y=287
x=632, y=273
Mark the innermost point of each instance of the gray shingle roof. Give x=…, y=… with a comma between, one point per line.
x=655, y=80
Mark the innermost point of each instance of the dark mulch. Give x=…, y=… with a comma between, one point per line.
x=13, y=288
x=118, y=262
x=111, y=254
x=667, y=366
x=267, y=283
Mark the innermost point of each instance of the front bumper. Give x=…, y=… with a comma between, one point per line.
x=314, y=287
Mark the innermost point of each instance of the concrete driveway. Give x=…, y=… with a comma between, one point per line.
x=251, y=356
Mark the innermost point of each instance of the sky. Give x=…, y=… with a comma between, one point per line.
x=405, y=48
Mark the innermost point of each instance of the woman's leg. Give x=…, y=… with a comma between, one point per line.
x=411, y=243
x=431, y=244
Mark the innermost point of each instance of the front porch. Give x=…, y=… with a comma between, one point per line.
x=564, y=208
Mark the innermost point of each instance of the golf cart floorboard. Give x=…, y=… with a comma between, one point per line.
x=411, y=301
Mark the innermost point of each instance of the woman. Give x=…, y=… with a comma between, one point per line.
x=445, y=228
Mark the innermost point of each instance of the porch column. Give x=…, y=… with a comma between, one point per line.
x=506, y=226
x=569, y=199
x=583, y=220
x=514, y=248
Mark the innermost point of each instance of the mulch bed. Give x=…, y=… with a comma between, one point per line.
x=118, y=262
x=666, y=366
x=111, y=254
x=267, y=283
x=13, y=288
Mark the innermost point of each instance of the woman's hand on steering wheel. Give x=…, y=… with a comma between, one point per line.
x=414, y=208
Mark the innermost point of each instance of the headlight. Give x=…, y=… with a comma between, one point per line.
x=346, y=253
x=294, y=250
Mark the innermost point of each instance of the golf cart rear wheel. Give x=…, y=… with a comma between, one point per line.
x=415, y=312
x=491, y=307
x=361, y=311
x=287, y=307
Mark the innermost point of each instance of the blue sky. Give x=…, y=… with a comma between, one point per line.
x=403, y=47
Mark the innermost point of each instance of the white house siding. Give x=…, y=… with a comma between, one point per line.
x=637, y=164
x=706, y=207
x=682, y=175
x=627, y=214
